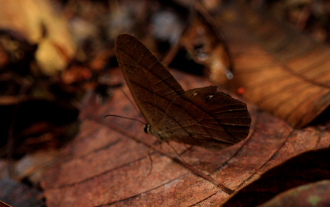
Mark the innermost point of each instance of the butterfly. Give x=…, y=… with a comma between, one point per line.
x=202, y=116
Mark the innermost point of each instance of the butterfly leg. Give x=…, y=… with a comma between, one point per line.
x=150, y=151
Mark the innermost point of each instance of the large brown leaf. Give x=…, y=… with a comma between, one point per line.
x=281, y=70
x=108, y=163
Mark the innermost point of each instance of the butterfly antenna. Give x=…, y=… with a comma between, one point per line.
x=149, y=155
x=151, y=162
x=132, y=103
x=123, y=117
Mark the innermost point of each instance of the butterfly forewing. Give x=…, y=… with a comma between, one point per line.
x=152, y=86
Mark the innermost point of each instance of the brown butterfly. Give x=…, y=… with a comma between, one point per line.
x=200, y=116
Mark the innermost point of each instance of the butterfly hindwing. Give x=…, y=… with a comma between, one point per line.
x=209, y=118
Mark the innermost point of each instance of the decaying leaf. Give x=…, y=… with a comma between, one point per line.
x=282, y=71
x=205, y=44
x=32, y=166
x=3, y=204
x=108, y=162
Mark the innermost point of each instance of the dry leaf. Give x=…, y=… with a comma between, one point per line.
x=108, y=163
x=3, y=204
x=204, y=42
x=281, y=70
x=32, y=165
x=30, y=18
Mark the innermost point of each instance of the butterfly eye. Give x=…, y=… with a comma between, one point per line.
x=147, y=128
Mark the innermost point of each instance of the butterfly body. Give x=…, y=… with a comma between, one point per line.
x=200, y=116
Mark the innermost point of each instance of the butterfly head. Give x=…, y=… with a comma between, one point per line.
x=147, y=129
